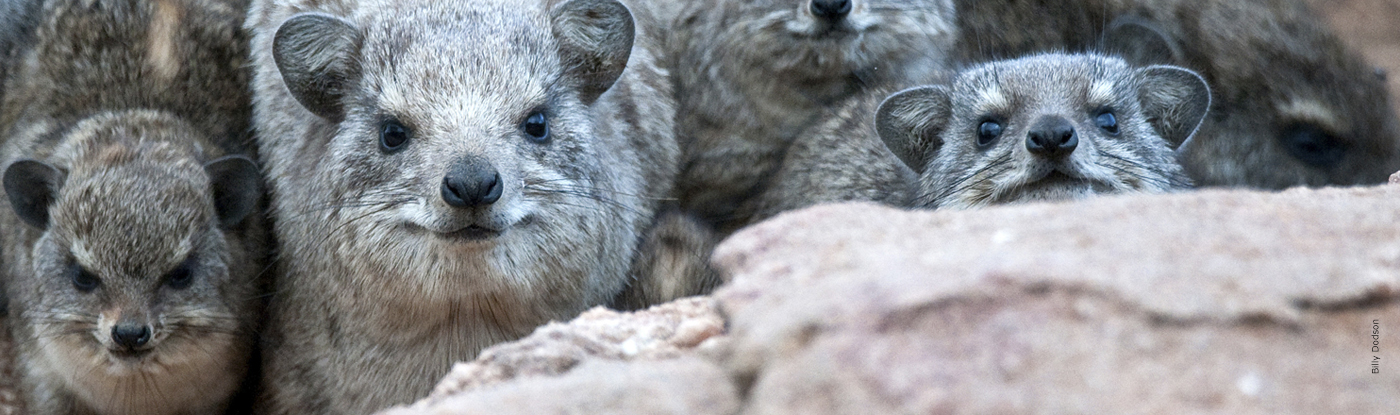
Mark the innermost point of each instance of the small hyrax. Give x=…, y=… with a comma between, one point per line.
x=131, y=238
x=1292, y=105
x=1045, y=127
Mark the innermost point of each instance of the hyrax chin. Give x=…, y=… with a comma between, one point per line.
x=446, y=175
x=130, y=241
x=1045, y=127
x=752, y=75
x=1292, y=104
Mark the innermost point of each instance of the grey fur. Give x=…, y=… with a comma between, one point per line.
x=124, y=128
x=936, y=129
x=753, y=76
x=1292, y=104
x=373, y=304
x=771, y=102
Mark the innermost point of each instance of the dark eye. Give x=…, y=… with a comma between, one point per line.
x=988, y=132
x=1313, y=146
x=181, y=277
x=83, y=280
x=393, y=136
x=537, y=127
x=1107, y=122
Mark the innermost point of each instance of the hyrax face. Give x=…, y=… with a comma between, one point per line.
x=1294, y=106
x=130, y=299
x=466, y=135
x=1047, y=127
x=824, y=40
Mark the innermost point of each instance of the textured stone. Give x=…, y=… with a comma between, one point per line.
x=1207, y=302
x=677, y=386
x=664, y=332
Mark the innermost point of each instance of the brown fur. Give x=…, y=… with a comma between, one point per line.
x=132, y=104
x=1293, y=105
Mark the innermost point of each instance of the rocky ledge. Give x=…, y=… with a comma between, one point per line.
x=1206, y=302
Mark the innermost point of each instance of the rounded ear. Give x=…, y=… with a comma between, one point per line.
x=317, y=55
x=237, y=187
x=595, y=40
x=1175, y=101
x=1140, y=42
x=910, y=121
x=32, y=187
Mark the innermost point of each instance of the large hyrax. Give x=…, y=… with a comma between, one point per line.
x=752, y=75
x=1292, y=104
x=445, y=176
x=131, y=243
x=1045, y=127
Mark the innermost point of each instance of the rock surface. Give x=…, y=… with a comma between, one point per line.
x=1207, y=302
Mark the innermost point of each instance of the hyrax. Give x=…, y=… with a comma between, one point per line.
x=1292, y=104
x=752, y=75
x=1045, y=127
x=131, y=243
x=445, y=176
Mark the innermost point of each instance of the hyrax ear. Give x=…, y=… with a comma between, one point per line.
x=237, y=187
x=1175, y=101
x=910, y=121
x=1140, y=42
x=32, y=187
x=317, y=55
x=595, y=40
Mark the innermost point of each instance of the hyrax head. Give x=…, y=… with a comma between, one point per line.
x=460, y=123
x=131, y=266
x=1293, y=105
x=1045, y=127
x=816, y=40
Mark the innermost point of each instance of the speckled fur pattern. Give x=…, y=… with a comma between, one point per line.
x=960, y=172
x=839, y=159
x=130, y=99
x=1293, y=105
x=752, y=76
x=371, y=308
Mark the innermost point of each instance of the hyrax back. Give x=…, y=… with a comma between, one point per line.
x=753, y=75
x=1292, y=104
x=130, y=243
x=445, y=176
x=1045, y=127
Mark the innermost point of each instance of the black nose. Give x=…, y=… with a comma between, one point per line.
x=1052, y=138
x=831, y=9
x=131, y=336
x=473, y=182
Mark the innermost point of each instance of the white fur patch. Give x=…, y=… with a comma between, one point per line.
x=1101, y=92
x=1312, y=111
x=992, y=99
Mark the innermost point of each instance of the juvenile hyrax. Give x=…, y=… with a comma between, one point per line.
x=445, y=176
x=1292, y=104
x=1045, y=127
x=752, y=75
x=130, y=240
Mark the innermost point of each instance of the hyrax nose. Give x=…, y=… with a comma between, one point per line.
x=131, y=335
x=472, y=182
x=832, y=10
x=1052, y=138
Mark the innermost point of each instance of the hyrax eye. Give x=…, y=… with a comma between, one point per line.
x=988, y=132
x=393, y=136
x=83, y=280
x=181, y=277
x=1107, y=122
x=536, y=126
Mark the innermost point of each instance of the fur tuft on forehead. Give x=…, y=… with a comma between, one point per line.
x=134, y=189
